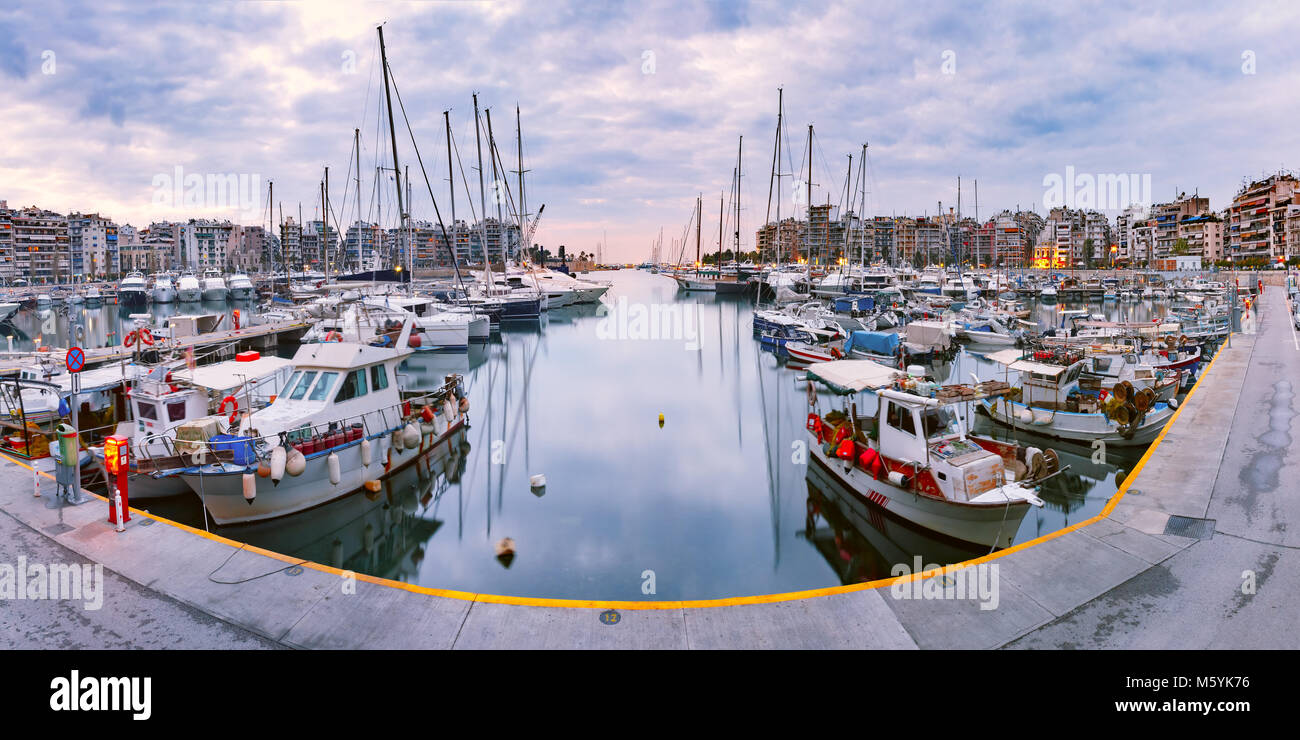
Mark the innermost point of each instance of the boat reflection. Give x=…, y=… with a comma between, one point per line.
x=863, y=542
x=383, y=534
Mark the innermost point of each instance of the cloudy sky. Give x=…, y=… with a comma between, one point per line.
x=632, y=109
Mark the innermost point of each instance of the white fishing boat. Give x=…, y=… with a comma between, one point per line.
x=214, y=286
x=188, y=289
x=8, y=309
x=343, y=424
x=168, y=403
x=913, y=457
x=1053, y=403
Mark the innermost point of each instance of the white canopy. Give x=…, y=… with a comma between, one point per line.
x=853, y=376
x=1012, y=359
x=231, y=374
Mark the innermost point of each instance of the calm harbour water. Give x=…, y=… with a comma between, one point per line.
x=713, y=503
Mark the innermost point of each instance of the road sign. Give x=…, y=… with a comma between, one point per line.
x=76, y=360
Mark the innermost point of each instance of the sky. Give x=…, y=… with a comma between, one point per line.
x=631, y=110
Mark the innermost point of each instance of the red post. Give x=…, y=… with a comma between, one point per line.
x=117, y=461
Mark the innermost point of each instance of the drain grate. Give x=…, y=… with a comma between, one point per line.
x=1186, y=526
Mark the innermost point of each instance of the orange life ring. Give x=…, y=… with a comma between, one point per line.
x=146, y=337
x=836, y=353
x=333, y=336
x=234, y=411
x=129, y=339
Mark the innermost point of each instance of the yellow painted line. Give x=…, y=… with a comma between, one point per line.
x=697, y=603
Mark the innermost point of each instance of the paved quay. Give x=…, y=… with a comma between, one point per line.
x=1136, y=575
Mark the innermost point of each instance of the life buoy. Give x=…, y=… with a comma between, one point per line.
x=836, y=353
x=234, y=411
x=146, y=337
x=333, y=336
x=129, y=339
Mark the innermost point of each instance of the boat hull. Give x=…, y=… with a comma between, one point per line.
x=221, y=489
x=164, y=295
x=987, y=525
x=1075, y=427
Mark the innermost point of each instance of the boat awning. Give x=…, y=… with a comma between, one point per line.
x=1013, y=359
x=853, y=376
x=226, y=375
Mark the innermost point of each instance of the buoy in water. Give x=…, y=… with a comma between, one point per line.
x=373, y=486
x=661, y=421
x=506, y=551
x=295, y=462
x=277, y=464
x=250, y=488
x=333, y=462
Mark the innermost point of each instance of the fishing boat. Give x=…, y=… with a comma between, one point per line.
x=343, y=424
x=214, y=286
x=133, y=290
x=188, y=288
x=913, y=457
x=175, y=410
x=8, y=309
x=1052, y=402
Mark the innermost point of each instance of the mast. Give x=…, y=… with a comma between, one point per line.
x=451, y=184
x=392, y=130
x=718, y=259
x=325, y=222
x=519, y=149
x=482, y=199
x=740, y=148
x=699, y=216
x=356, y=145
x=809, y=197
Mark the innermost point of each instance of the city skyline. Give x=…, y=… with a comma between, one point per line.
x=629, y=113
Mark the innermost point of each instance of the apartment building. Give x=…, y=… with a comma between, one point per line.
x=1256, y=225
x=40, y=245
x=7, y=268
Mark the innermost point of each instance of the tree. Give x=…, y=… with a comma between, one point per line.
x=1087, y=253
x=1181, y=247
x=563, y=258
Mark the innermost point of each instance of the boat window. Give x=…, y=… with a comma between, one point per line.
x=354, y=386
x=379, y=377
x=300, y=390
x=292, y=380
x=323, y=388
x=1100, y=364
x=940, y=422
x=901, y=418
x=175, y=411
x=147, y=411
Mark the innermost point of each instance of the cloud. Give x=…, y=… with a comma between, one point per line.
x=614, y=144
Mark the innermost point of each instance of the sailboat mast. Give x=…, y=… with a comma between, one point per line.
x=740, y=148
x=699, y=216
x=808, y=195
x=392, y=130
x=356, y=145
x=482, y=196
x=325, y=222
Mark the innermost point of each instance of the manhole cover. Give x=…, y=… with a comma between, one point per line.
x=146, y=522
x=1186, y=526
x=610, y=617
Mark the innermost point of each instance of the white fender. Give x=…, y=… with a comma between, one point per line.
x=448, y=411
x=411, y=436
x=277, y=464
x=250, y=487
x=397, y=440
x=295, y=462
x=333, y=462
x=367, y=453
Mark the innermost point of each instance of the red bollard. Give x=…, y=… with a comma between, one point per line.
x=117, y=461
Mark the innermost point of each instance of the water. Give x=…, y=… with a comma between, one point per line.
x=103, y=325
x=712, y=503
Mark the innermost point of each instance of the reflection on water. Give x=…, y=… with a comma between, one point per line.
x=63, y=325
x=714, y=502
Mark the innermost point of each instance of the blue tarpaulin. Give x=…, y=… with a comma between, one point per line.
x=877, y=342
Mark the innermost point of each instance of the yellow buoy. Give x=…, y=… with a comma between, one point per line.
x=661, y=421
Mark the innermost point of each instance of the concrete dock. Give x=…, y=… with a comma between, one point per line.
x=1207, y=511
